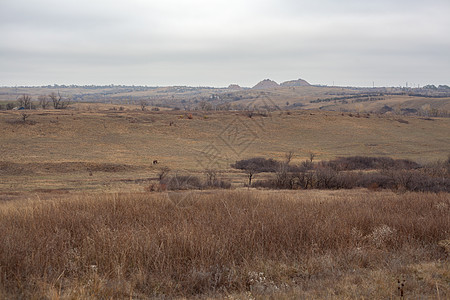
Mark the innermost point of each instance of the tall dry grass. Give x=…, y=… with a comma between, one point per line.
x=224, y=243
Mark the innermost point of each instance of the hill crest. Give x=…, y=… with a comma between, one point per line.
x=266, y=84
x=298, y=82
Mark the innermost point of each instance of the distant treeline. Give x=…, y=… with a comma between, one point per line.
x=378, y=96
x=354, y=98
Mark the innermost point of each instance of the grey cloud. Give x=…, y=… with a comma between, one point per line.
x=217, y=42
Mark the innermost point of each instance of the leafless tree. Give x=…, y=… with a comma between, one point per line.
x=288, y=157
x=24, y=116
x=211, y=176
x=311, y=156
x=284, y=178
x=163, y=172
x=251, y=171
x=44, y=102
x=58, y=101
x=143, y=104
x=24, y=101
x=206, y=106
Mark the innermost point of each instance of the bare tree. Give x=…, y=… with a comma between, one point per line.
x=24, y=101
x=251, y=171
x=250, y=168
x=143, y=104
x=211, y=177
x=44, y=102
x=58, y=101
x=163, y=172
x=288, y=157
x=284, y=178
x=24, y=116
x=311, y=156
x=203, y=105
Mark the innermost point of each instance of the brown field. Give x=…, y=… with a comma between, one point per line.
x=234, y=245
x=76, y=220
x=59, y=149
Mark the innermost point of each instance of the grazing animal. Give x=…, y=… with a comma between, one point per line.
x=155, y=162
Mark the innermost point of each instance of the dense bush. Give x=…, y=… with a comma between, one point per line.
x=359, y=171
x=327, y=178
x=369, y=163
x=259, y=164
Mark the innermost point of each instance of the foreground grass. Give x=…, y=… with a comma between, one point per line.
x=235, y=244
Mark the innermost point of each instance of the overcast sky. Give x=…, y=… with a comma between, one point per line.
x=218, y=42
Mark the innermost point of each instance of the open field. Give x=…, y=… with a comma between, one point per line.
x=77, y=219
x=235, y=245
x=75, y=150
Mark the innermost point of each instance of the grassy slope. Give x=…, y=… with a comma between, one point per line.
x=135, y=139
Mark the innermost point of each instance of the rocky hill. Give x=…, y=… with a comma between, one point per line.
x=266, y=84
x=298, y=82
x=234, y=87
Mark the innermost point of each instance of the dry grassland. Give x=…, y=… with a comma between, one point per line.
x=75, y=222
x=238, y=244
x=118, y=147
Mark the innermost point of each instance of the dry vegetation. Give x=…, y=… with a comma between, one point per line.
x=84, y=142
x=82, y=214
x=237, y=244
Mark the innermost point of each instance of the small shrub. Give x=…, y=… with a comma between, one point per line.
x=186, y=182
x=182, y=182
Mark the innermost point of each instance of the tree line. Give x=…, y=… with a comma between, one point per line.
x=52, y=100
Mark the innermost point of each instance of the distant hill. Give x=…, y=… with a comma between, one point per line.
x=234, y=87
x=298, y=82
x=266, y=84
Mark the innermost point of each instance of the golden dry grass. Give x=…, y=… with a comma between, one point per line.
x=134, y=139
x=68, y=230
x=237, y=244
